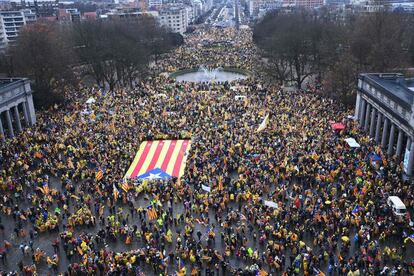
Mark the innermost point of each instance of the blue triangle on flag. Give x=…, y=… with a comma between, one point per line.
x=356, y=209
x=155, y=174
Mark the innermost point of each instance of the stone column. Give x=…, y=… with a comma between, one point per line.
x=410, y=161
x=372, y=124
x=385, y=132
x=362, y=115
x=9, y=123
x=378, y=128
x=391, y=141
x=3, y=138
x=30, y=109
x=399, y=142
x=17, y=116
x=366, y=126
x=25, y=114
x=407, y=147
x=357, y=105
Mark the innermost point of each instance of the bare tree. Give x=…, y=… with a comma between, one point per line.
x=42, y=54
x=380, y=41
x=334, y=51
x=6, y=64
x=296, y=45
x=119, y=51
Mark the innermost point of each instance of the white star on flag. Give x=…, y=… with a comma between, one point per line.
x=154, y=176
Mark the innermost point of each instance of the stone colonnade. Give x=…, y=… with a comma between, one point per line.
x=385, y=129
x=16, y=107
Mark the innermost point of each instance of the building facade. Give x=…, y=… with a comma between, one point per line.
x=175, y=17
x=156, y=4
x=385, y=110
x=308, y=4
x=69, y=15
x=42, y=8
x=10, y=24
x=16, y=105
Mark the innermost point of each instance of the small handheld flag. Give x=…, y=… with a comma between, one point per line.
x=44, y=189
x=180, y=264
x=125, y=186
x=99, y=175
x=115, y=192
x=220, y=184
x=152, y=213
x=264, y=123
x=355, y=210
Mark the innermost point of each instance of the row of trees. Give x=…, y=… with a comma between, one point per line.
x=115, y=53
x=320, y=46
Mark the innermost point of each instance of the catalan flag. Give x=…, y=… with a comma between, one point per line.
x=152, y=213
x=162, y=159
x=125, y=186
x=115, y=192
x=99, y=175
x=180, y=264
x=220, y=184
x=44, y=189
x=264, y=123
x=355, y=210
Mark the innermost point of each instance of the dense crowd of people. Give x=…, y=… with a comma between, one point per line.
x=328, y=212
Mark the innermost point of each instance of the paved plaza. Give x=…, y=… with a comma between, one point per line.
x=231, y=178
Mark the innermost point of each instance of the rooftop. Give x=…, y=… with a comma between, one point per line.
x=172, y=7
x=10, y=81
x=395, y=85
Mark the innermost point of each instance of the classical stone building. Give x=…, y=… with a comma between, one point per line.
x=16, y=106
x=385, y=110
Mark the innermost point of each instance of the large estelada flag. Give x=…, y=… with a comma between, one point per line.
x=159, y=159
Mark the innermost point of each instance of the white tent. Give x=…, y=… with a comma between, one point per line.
x=352, y=143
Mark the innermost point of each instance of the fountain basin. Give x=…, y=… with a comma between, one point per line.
x=208, y=75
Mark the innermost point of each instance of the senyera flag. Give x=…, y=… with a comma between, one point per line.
x=159, y=159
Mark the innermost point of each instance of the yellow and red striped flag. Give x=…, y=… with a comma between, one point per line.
x=44, y=189
x=152, y=213
x=159, y=159
x=115, y=192
x=220, y=184
x=125, y=186
x=99, y=175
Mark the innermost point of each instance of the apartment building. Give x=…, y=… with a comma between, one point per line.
x=10, y=24
x=175, y=17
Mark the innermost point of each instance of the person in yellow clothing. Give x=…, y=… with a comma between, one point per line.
x=296, y=162
x=263, y=273
x=182, y=272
